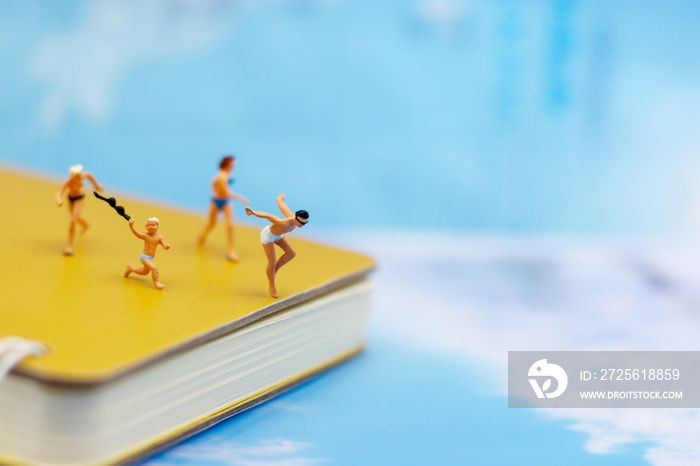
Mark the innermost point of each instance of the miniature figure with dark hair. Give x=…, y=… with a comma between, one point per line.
x=151, y=241
x=76, y=199
x=274, y=234
x=220, y=202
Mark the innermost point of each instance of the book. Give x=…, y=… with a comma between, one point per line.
x=130, y=369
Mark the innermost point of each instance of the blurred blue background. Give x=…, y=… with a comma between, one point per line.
x=404, y=128
x=462, y=114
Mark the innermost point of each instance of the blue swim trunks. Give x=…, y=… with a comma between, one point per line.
x=145, y=256
x=220, y=203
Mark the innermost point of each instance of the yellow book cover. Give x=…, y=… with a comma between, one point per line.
x=100, y=327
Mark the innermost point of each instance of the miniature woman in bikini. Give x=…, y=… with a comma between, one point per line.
x=76, y=199
x=151, y=241
x=274, y=234
x=221, y=202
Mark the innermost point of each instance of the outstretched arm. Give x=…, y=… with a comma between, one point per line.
x=136, y=232
x=283, y=207
x=59, y=193
x=221, y=181
x=164, y=243
x=238, y=197
x=265, y=215
x=98, y=186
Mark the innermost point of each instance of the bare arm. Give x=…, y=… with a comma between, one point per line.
x=238, y=197
x=59, y=193
x=283, y=207
x=98, y=186
x=164, y=243
x=264, y=215
x=136, y=232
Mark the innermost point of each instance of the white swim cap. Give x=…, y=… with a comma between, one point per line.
x=75, y=170
x=153, y=219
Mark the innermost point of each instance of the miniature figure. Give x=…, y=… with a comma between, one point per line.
x=151, y=241
x=220, y=202
x=76, y=199
x=274, y=234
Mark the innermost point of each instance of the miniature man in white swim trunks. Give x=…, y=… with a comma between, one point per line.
x=151, y=241
x=274, y=234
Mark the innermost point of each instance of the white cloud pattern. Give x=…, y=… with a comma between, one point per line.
x=218, y=450
x=482, y=296
x=83, y=67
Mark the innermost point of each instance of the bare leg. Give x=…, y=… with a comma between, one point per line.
x=76, y=208
x=228, y=214
x=137, y=270
x=210, y=224
x=289, y=253
x=154, y=273
x=270, y=270
x=83, y=225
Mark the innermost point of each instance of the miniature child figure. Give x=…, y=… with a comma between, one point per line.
x=274, y=234
x=151, y=241
x=220, y=202
x=76, y=199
